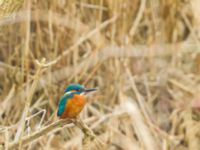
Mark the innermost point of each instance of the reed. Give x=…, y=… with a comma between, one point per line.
x=142, y=55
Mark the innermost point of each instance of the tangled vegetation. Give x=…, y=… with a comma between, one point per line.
x=142, y=55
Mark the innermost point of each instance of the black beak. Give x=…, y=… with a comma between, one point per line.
x=90, y=90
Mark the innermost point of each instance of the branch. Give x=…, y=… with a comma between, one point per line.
x=27, y=139
x=88, y=133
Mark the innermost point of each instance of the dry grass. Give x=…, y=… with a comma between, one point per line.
x=142, y=55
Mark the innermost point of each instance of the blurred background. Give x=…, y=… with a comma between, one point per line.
x=143, y=56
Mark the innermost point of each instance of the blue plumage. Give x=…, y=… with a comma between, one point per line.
x=63, y=102
x=74, y=87
x=67, y=96
x=69, y=93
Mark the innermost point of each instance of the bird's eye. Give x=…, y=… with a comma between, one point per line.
x=79, y=90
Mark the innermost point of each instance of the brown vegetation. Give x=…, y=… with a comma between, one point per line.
x=142, y=55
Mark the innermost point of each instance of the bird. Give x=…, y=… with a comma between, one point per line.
x=73, y=101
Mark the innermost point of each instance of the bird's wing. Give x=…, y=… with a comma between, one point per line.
x=62, y=103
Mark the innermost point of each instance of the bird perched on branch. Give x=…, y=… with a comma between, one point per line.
x=73, y=101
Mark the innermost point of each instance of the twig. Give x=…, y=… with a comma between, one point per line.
x=27, y=139
x=88, y=133
x=185, y=88
x=29, y=99
x=20, y=130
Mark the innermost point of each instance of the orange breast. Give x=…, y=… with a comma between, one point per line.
x=74, y=106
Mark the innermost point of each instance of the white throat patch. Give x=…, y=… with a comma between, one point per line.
x=68, y=93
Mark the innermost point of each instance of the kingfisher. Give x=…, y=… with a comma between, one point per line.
x=73, y=101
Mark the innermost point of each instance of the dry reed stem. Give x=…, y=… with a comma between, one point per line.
x=154, y=128
x=142, y=130
x=182, y=86
x=56, y=19
x=160, y=50
x=9, y=6
x=28, y=102
x=88, y=133
x=170, y=65
x=86, y=37
x=138, y=18
x=27, y=139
